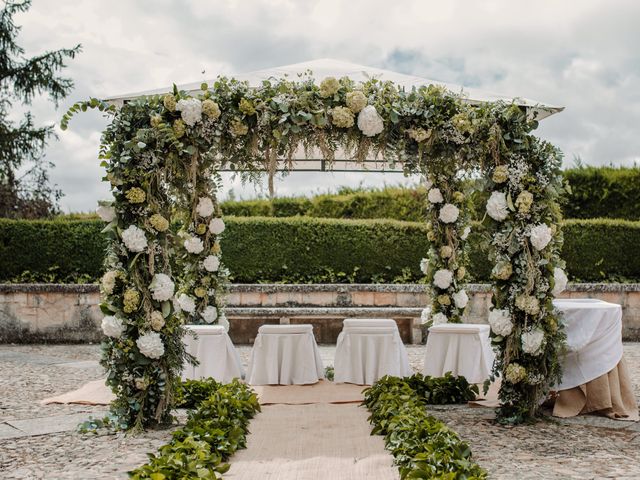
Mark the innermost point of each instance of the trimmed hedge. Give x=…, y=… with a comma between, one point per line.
x=603, y=192
x=309, y=250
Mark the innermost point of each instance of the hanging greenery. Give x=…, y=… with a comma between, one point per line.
x=163, y=154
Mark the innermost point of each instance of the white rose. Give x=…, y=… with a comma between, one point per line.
x=370, y=122
x=500, y=322
x=161, y=287
x=112, y=326
x=193, y=245
x=210, y=314
x=134, y=239
x=106, y=213
x=222, y=321
x=532, y=341
x=205, y=207
x=216, y=226
x=497, y=206
x=186, y=303
x=449, y=213
x=150, y=345
x=190, y=110
x=435, y=196
x=465, y=233
x=560, y=281
x=425, y=315
x=442, y=278
x=424, y=265
x=439, y=319
x=211, y=263
x=460, y=299
x=540, y=236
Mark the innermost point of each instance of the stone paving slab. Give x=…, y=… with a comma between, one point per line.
x=7, y=431
x=47, y=425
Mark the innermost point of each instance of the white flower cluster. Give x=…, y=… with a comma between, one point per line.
x=435, y=195
x=134, y=239
x=106, y=213
x=465, y=233
x=497, y=206
x=443, y=278
x=205, y=207
x=540, y=236
x=460, y=299
x=560, y=281
x=186, y=303
x=193, y=245
x=532, y=341
x=439, y=318
x=161, y=287
x=216, y=226
x=210, y=314
x=500, y=322
x=109, y=281
x=190, y=110
x=425, y=315
x=370, y=122
x=424, y=265
x=112, y=326
x=211, y=263
x=150, y=345
x=449, y=213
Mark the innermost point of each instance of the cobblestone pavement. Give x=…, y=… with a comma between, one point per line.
x=581, y=448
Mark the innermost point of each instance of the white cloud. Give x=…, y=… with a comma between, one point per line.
x=580, y=55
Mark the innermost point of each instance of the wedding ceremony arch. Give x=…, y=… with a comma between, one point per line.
x=164, y=152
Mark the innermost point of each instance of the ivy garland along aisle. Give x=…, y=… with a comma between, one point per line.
x=162, y=154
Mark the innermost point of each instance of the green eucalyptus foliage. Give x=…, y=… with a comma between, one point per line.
x=423, y=447
x=215, y=430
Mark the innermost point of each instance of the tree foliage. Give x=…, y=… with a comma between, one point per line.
x=24, y=181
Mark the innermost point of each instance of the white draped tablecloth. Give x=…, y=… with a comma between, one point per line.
x=369, y=349
x=285, y=355
x=460, y=348
x=594, y=339
x=215, y=352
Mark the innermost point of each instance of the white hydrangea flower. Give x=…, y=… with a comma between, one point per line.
x=186, y=303
x=205, y=207
x=216, y=226
x=460, y=299
x=439, y=318
x=109, y=281
x=540, y=236
x=443, y=278
x=370, y=122
x=150, y=345
x=190, y=110
x=106, y=213
x=532, y=341
x=193, y=245
x=210, y=314
x=134, y=239
x=223, y=321
x=465, y=233
x=162, y=287
x=500, y=322
x=424, y=265
x=435, y=196
x=497, y=206
x=112, y=326
x=211, y=263
x=425, y=315
x=560, y=281
x=449, y=213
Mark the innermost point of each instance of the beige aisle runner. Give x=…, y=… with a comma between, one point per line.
x=321, y=392
x=312, y=442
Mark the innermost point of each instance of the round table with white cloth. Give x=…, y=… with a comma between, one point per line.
x=463, y=349
x=285, y=355
x=369, y=349
x=215, y=352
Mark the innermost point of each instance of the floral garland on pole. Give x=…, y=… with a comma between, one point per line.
x=162, y=155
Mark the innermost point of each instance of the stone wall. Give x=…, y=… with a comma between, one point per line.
x=69, y=313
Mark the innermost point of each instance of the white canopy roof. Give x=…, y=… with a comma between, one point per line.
x=327, y=67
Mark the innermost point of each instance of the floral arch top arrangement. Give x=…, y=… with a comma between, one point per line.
x=162, y=155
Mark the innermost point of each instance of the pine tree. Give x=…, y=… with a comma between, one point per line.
x=24, y=181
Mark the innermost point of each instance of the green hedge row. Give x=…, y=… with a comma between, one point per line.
x=309, y=250
x=603, y=192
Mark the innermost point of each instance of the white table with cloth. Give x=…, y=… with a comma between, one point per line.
x=215, y=352
x=463, y=349
x=369, y=349
x=285, y=355
x=594, y=374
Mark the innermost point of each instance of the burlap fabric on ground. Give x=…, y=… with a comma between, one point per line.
x=312, y=442
x=321, y=392
x=91, y=393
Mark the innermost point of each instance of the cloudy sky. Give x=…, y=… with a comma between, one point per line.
x=582, y=55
